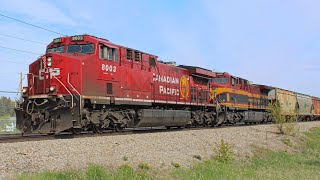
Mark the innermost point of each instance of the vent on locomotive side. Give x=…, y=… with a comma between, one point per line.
x=109, y=88
x=129, y=54
x=152, y=61
x=171, y=63
x=137, y=56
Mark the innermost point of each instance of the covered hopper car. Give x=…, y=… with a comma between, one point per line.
x=305, y=107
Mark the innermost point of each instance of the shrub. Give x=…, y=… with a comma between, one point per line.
x=223, y=152
x=287, y=142
x=126, y=165
x=176, y=165
x=125, y=158
x=144, y=165
x=284, y=122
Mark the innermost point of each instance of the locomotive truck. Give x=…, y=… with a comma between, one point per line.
x=86, y=83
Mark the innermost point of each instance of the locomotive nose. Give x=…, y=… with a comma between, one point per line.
x=49, y=74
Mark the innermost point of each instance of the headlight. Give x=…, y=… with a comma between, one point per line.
x=24, y=90
x=49, y=61
x=52, y=88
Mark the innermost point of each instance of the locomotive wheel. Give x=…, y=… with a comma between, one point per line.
x=97, y=129
x=76, y=130
x=118, y=128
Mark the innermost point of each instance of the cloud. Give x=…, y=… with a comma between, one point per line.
x=43, y=12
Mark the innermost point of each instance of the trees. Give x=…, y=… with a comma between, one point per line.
x=6, y=112
x=6, y=107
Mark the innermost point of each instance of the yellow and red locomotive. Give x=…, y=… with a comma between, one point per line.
x=85, y=83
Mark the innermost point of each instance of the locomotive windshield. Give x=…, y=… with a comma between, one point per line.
x=59, y=49
x=220, y=80
x=80, y=48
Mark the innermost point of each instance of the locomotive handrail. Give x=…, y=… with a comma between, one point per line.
x=33, y=78
x=68, y=80
x=67, y=90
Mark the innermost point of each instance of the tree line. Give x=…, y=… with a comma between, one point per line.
x=6, y=106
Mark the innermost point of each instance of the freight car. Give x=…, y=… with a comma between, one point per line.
x=316, y=107
x=304, y=106
x=86, y=83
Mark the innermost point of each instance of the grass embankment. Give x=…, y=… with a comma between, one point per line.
x=265, y=165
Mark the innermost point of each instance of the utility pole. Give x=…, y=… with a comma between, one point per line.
x=20, y=88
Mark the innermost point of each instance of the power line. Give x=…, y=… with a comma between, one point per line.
x=14, y=37
x=9, y=92
x=13, y=62
x=20, y=50
x=31, y=25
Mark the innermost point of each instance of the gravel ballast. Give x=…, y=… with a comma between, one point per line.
x=160, y=150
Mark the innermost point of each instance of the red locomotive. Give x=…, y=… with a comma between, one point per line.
x=85, y=83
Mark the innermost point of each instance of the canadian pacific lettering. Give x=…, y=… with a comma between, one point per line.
x=169, y=91
x=169, y=80
x=165, y=79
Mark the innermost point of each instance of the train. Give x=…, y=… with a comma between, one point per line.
x=86, y=83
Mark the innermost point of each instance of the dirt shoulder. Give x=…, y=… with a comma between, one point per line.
x=160, y=150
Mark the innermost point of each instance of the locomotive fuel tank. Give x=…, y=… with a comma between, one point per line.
x=158, y=117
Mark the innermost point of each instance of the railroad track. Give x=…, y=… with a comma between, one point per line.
x=12, y=138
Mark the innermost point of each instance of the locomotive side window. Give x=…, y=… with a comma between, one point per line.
x=222, y=97
x=108, y=53
x=233, y=97
x=115, y=55
x=233, y=81
x=103, y=52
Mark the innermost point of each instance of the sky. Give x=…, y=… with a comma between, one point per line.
x=268, y=42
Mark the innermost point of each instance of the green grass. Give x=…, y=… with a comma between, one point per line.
x=92, y=172
x=270, y=165
x=266, y=165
